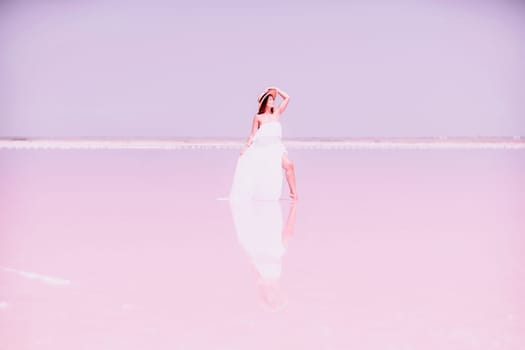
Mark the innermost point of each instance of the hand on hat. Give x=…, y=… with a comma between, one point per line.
x=266, y=91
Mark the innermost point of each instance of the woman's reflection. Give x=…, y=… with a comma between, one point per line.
x=260, y=231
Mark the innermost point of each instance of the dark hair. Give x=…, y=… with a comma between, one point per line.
x=264, y=102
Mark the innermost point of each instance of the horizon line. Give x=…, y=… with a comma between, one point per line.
x=516, y=142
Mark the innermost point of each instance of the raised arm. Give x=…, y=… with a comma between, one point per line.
x=285, y=101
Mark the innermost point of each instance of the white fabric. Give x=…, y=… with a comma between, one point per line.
x=258, y=174
x=259, y=226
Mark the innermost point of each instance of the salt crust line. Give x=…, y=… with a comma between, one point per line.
x=441, y=143
x=39, y=277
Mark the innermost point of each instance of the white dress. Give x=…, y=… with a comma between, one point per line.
x=258, y=174
x=259, y=228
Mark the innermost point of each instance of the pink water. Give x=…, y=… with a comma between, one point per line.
x=384, y=250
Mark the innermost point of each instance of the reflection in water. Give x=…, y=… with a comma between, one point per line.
x=260, y=231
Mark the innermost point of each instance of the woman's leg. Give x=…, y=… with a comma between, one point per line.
x=290, y=175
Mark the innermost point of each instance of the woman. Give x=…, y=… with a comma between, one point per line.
x=258, y=174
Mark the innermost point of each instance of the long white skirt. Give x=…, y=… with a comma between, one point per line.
x=259, y=174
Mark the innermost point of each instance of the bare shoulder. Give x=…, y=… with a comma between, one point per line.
x=257, y=120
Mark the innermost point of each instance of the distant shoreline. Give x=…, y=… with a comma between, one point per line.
x=297, y=143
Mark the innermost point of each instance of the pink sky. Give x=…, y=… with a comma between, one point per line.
x=126, y=69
